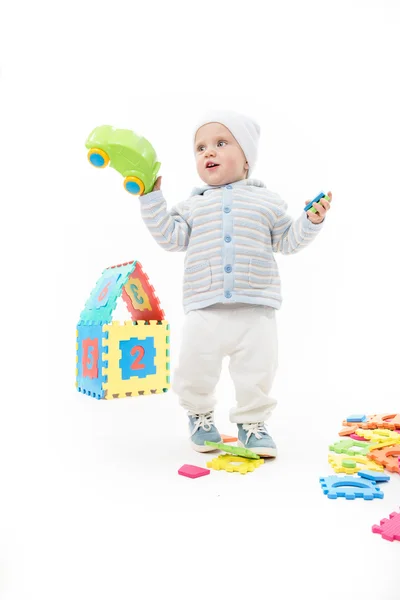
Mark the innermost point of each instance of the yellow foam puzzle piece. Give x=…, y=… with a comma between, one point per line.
x=234, y=464
x=153, y=383
x=382, y=445
x=362, y=462
x=379, y=435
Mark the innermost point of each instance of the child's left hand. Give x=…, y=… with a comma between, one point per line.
x=321, y=207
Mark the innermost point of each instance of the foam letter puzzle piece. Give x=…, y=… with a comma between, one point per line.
x=389, y=528
x=349, y=487
x=193, y=472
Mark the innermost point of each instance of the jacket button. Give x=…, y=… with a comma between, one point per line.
x=228, y=239
x=228, y=294
x=227, y=209
x=228, y=268
x=228, y=187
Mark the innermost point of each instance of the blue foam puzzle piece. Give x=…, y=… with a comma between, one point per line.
x=374, y=476
x=349, y=487
x=132, y=363
x=103, y=292
x=356, y=419
x=102, y=300
x=92, y=386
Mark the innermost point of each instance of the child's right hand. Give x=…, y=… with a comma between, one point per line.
x=157, y=184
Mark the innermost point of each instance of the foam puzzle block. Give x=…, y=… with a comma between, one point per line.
x=117, y=360
x=379, y=435
x=360, y=463
x=192, y=471
x=359, y=438
x=228, y=438
x=374, y=476
x=385, y=421
x=235, y=464
x=233, y=450
x=387, y=457
x=350, y=447
x=389, y=528
x=356, y=418
x=349, y=487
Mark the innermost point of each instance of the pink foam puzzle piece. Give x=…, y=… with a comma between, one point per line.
x=354, y=436
x=389, y=528
x=192, y=471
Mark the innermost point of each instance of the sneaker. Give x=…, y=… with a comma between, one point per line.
x=255, y=437
x=202, y=429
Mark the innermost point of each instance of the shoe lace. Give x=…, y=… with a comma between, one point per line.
x=205, y=421
x=256, y=429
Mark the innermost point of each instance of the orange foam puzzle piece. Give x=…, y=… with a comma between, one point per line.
x=228, y=438
x=387, y=457
x=383, y=421
x=348, y=430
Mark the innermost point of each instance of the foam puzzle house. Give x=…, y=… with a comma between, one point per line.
x=116, y=359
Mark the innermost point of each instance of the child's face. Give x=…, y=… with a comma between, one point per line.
x=214, y=143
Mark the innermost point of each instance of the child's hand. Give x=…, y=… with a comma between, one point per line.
x=156, y=187
x=321, y=207
x=157, y=184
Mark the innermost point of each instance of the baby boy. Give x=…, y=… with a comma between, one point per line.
x=230, y=229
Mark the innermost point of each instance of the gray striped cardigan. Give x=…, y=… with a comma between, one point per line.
x=230, y=233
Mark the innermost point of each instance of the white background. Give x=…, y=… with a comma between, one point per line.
x=91, y=506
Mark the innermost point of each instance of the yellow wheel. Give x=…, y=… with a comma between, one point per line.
x=134, y=185
x=98, y=158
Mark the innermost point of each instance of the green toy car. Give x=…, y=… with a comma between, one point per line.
x=129, y=154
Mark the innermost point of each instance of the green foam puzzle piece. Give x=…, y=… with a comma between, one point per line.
x=349, y=464
x=346, y=447
x=233, y=450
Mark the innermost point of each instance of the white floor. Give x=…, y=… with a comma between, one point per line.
x=96, y=510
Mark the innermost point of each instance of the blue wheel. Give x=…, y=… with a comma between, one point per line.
x=98, y=158
x=134, y=185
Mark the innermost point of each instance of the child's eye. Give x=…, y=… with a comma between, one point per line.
x=221, y=142
x=200, y=148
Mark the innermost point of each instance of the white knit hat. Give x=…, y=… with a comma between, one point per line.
x=244, y=129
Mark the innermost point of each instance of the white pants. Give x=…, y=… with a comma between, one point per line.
x=248, y=336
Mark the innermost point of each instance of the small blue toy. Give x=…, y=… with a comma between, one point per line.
x=374, y=476
x=349, y=487
x=310, y=206
x=356, y=419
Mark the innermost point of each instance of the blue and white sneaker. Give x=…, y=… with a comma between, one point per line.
x=255, y=437
x=202, y=429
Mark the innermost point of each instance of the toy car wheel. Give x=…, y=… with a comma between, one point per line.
x=134, y=185
x=98, y=158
